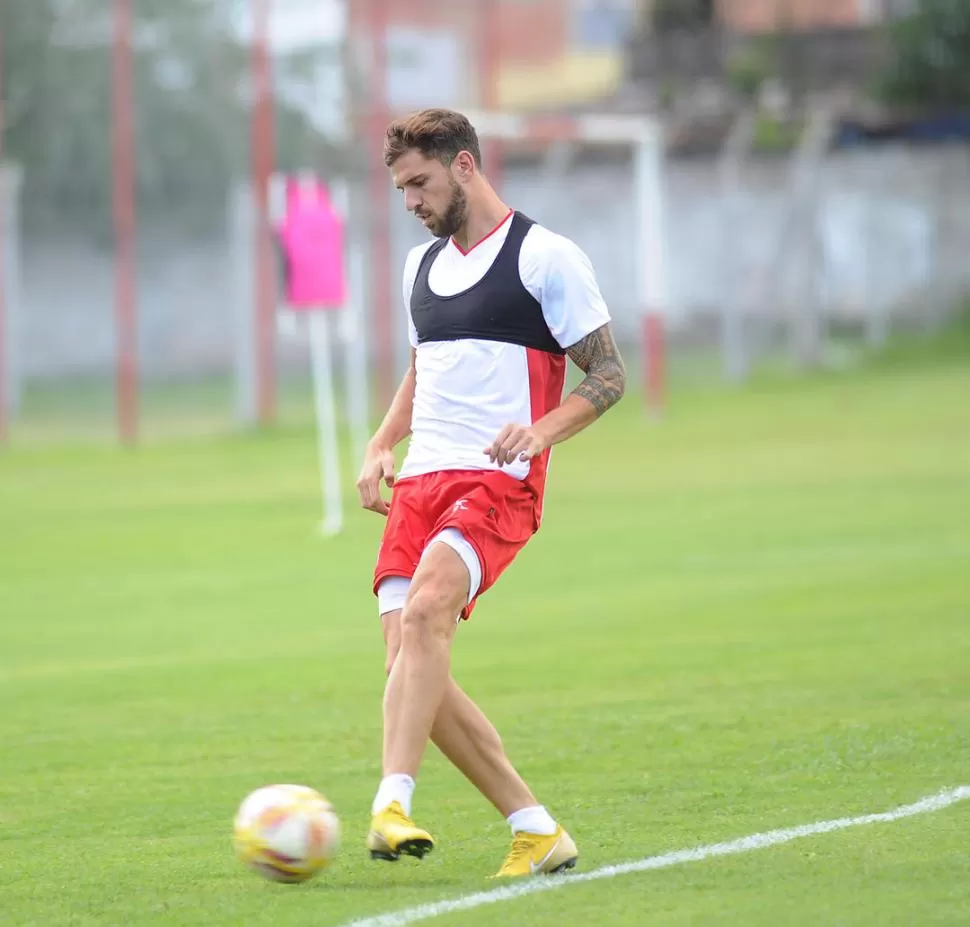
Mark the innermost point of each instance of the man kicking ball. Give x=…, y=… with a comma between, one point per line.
x=496, y=303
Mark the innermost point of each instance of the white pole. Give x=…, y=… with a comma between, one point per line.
x=320, y=357
x=870, y=303
x=737, y=147
x=357, y=392
x=651, y=283
x=652, y=295
x=11, y=176
x=241, y=230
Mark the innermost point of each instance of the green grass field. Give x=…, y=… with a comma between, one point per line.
x=752, y=615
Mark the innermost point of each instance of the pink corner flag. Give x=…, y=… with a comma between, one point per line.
x=312, y=237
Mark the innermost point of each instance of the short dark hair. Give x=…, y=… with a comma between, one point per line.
x=437, y=133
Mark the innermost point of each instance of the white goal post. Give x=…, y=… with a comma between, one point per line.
x=11, y=369
x=644, y=137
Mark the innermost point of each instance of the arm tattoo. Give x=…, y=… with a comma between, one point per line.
x=599, y=358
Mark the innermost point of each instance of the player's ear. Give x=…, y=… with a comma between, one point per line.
x=464, y=166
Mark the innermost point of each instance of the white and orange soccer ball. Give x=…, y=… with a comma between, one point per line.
x=287, y=833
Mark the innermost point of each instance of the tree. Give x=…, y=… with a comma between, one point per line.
x=191, y=115
x=930, y=57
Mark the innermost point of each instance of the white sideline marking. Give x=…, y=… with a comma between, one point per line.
x=741, y=845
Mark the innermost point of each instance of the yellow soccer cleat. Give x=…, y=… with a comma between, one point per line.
x=539, y=854
x=392, y=833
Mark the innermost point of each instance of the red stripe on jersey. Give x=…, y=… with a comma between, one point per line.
x=486, y=238
x=547, y=378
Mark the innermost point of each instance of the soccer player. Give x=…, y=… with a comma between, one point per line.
x=495, y=303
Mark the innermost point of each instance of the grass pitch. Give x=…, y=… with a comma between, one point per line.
x=754, y=614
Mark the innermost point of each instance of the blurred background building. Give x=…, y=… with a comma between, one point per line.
x=813, y=192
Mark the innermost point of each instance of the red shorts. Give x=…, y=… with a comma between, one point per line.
x=495, y=513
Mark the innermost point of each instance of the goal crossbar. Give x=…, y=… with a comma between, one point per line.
x=644, y=137
x=605, y=128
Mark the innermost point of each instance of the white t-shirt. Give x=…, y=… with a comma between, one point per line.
x=467, y=390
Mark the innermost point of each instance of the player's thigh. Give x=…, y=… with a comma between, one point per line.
x=405, y=532
x=497, y=524
x=438, y=593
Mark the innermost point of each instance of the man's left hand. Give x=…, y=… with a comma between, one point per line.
x=515, y=441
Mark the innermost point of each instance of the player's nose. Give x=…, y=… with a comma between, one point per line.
x=412, y=200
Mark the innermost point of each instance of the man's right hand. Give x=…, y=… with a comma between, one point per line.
x=378, y=465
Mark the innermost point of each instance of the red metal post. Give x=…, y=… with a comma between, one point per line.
x=263, y=156
x=3, y=292
x=380, y=203
x=126, y=386
x=654, y=373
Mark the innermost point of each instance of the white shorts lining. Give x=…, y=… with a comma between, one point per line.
x=392, y=593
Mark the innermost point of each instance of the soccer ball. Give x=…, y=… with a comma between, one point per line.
x=287, y=833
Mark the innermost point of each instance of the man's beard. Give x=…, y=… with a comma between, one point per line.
x=455, y=214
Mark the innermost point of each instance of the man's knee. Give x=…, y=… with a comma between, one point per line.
x=439, y=591
x=431, y=612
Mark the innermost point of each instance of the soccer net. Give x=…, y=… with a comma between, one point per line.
x=599, y=180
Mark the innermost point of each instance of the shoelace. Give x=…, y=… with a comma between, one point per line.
x=398, y=819
x=521, y=845
x=396, y=813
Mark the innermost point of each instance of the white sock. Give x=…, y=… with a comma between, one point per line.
x=397, y=787
x=534, y=820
